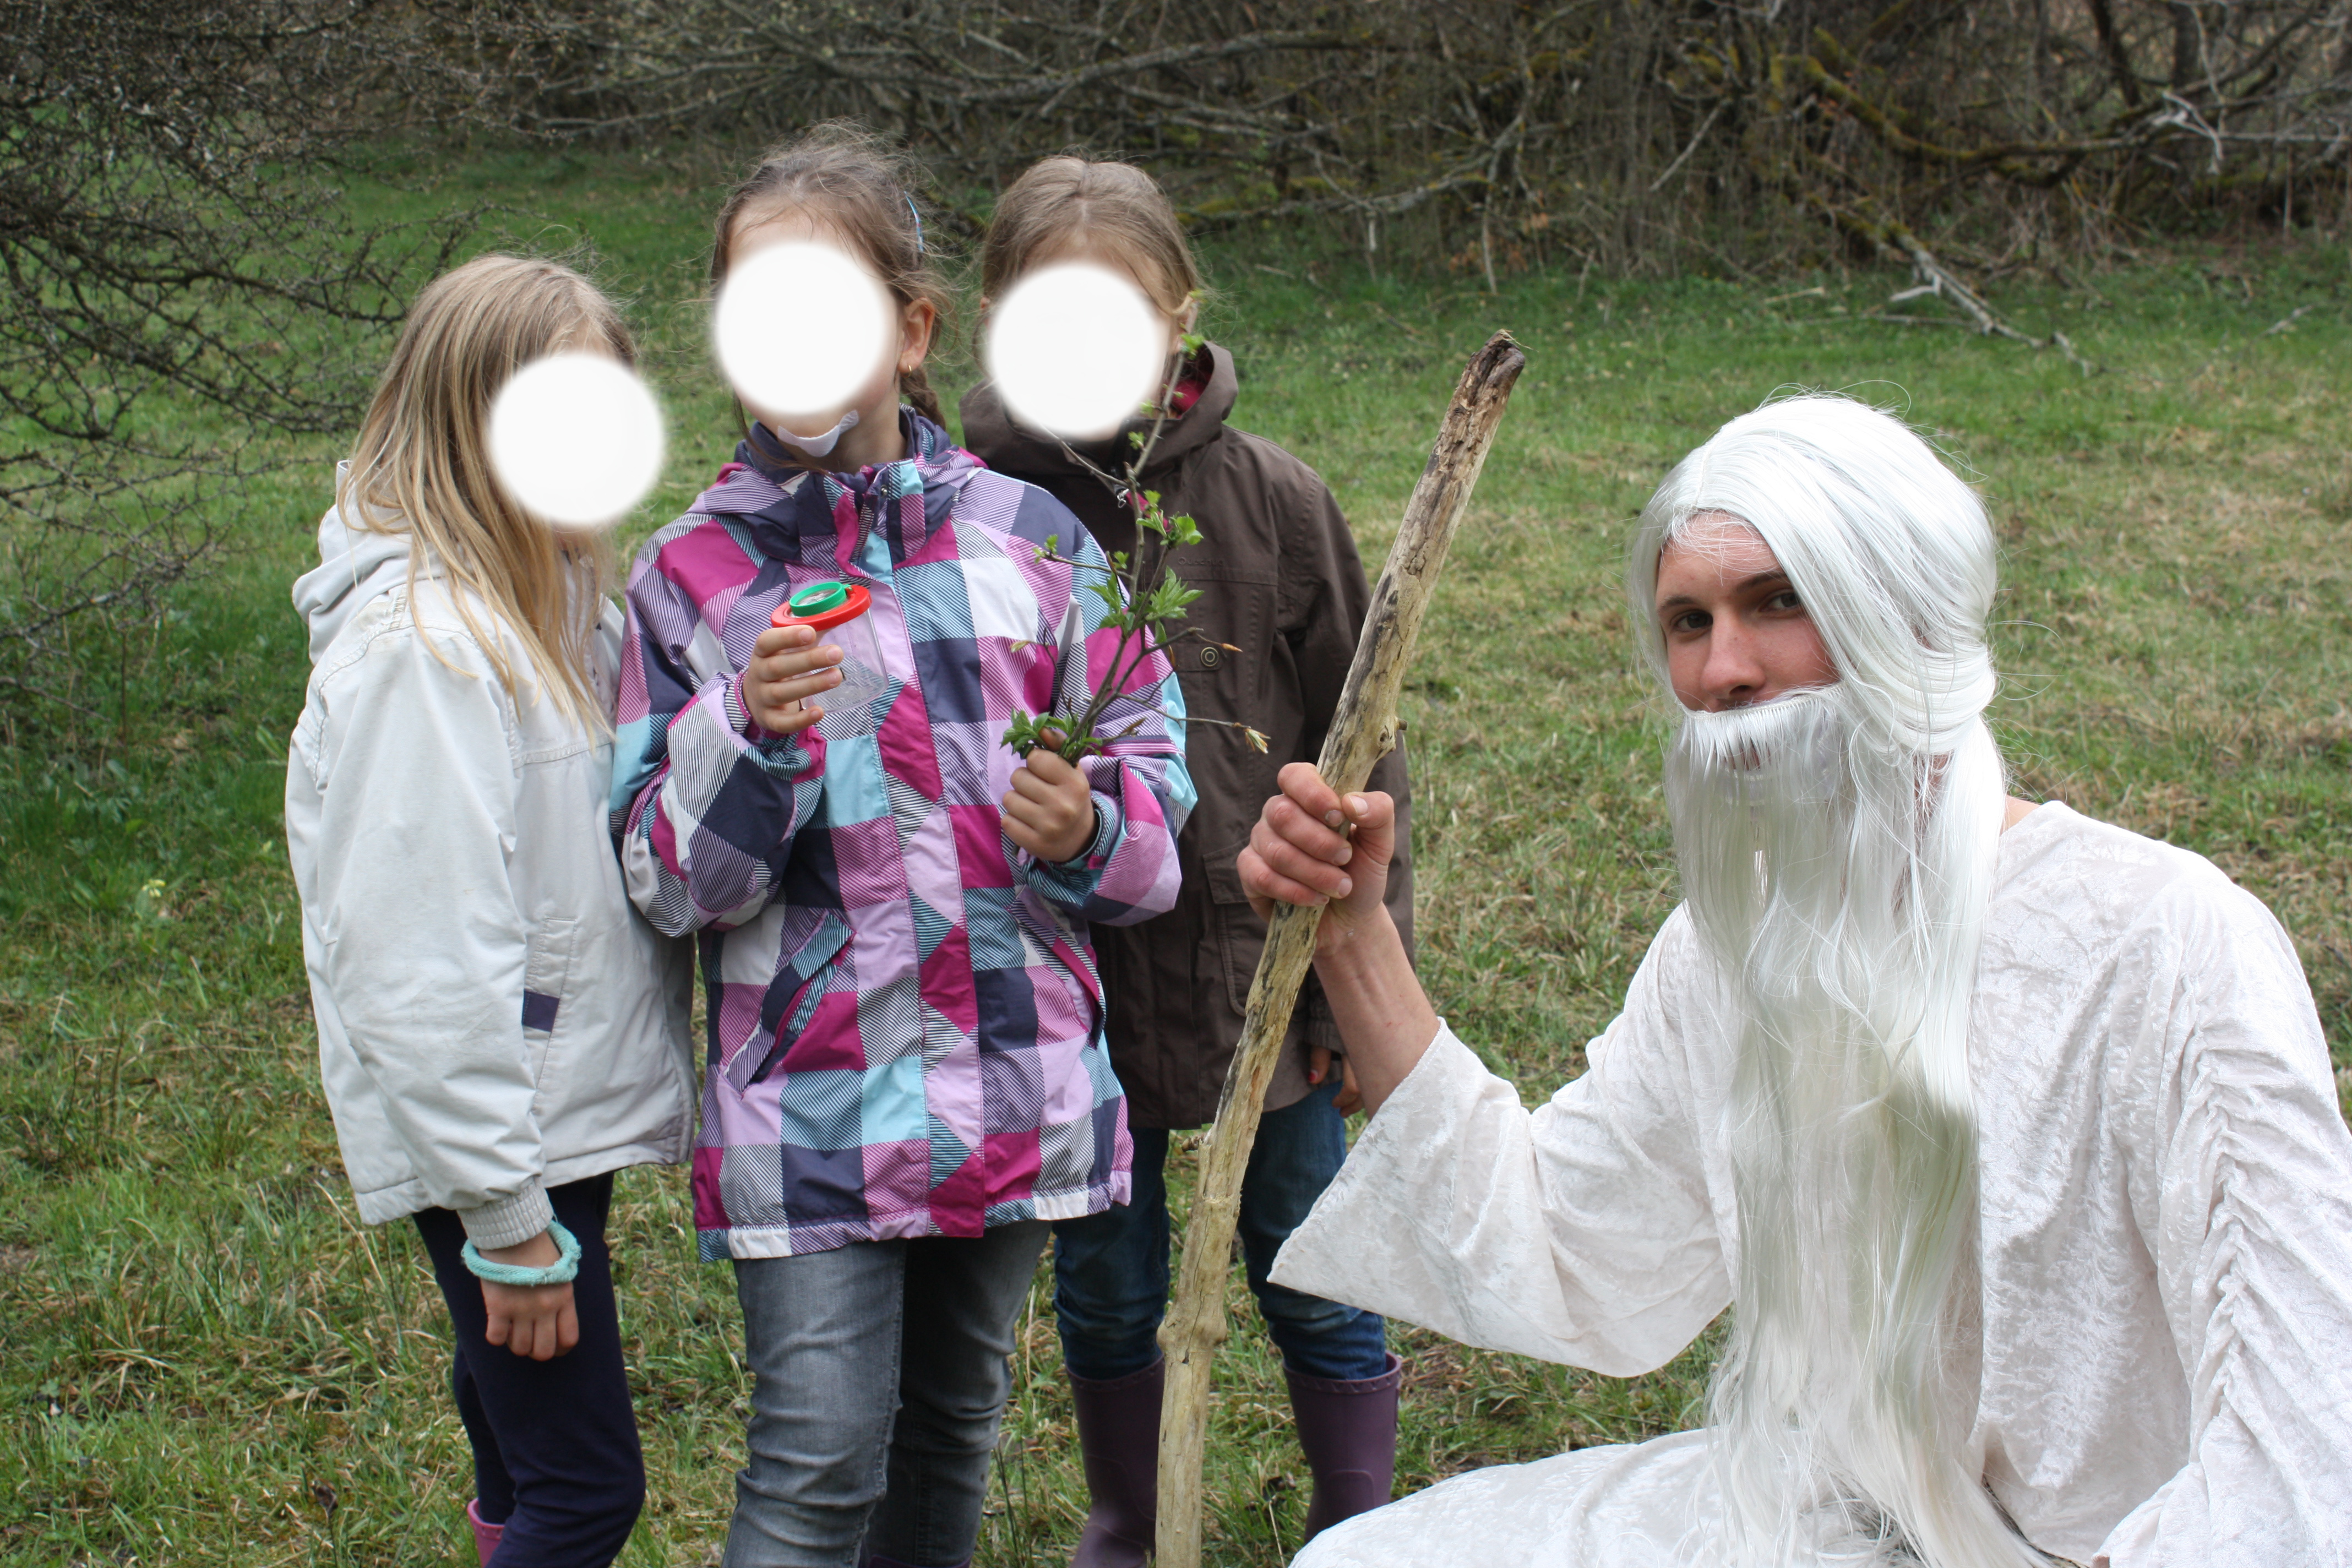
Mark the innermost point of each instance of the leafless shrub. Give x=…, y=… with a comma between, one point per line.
x=1607, y=133
x=181, y=290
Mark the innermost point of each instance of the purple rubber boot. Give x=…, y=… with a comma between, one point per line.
x=1349, y=1430
x=878, y=1561
x=485, y=1534
x=1119, y=1438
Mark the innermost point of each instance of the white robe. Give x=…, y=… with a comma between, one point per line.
x=2165, y=1252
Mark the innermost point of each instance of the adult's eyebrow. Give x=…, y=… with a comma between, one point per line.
x=1775, y=574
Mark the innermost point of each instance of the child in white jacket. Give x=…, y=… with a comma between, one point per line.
x=497, y=1028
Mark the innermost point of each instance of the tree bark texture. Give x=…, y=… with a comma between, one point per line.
x=1363, y=730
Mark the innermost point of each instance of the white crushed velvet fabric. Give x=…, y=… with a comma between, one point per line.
x=2164, y=1259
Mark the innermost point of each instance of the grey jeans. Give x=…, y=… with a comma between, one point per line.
x=880, y=1373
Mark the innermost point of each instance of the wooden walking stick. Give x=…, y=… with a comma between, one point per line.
x=1363, y=730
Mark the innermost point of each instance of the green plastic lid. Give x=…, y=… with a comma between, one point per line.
x=819, y=597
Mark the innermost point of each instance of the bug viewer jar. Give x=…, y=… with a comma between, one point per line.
x=837, y=612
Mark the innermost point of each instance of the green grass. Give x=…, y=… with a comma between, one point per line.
x=207, y=1360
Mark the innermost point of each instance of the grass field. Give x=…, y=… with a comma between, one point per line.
x=207, y=1360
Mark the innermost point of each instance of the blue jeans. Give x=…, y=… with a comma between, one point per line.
x=879, y=1374
x=1110, y=1269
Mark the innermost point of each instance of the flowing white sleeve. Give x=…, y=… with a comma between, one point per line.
x=2254, y=1256
x=1581, y=1233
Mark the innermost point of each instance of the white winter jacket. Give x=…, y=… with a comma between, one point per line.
x=494, y=1018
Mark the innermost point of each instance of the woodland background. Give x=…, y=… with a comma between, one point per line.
x=2099, y=250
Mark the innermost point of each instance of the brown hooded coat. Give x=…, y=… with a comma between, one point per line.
x=1280, y=579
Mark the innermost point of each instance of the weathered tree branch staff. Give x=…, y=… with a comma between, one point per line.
x=1363, y=730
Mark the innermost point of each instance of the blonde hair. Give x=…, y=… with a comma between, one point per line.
x=861, y=187
x=422, y=464
x=1068, y=201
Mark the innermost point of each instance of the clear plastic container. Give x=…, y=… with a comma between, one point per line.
x=838, y=611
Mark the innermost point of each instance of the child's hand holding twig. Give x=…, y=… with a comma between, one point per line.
x=787, y=668
x=1050, y=810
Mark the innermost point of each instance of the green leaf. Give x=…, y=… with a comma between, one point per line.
x=1022, y=735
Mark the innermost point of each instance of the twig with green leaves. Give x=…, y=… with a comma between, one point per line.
x=1142, y=615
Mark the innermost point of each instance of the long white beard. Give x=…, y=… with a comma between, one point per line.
x=1839, y=875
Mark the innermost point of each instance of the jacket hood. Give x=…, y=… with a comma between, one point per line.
x=1002, y=442
x=356, y=565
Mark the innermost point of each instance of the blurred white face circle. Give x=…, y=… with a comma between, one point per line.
x=576, y=439
x=800, y=327
x=1075, y=350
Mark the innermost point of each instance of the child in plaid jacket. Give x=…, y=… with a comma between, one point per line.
x=905, y=1014
x=907, y=1075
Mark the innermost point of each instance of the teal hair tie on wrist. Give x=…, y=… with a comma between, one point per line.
x=562, y=1271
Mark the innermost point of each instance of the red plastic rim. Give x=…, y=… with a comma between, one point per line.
x=856, y=604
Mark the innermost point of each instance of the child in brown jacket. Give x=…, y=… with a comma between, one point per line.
x=1280, y=579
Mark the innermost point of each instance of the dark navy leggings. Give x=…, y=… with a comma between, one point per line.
x=555, y=1442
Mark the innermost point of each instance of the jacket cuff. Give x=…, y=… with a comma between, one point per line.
x=739, y=711
x=510, y=1221
x=1106, y=838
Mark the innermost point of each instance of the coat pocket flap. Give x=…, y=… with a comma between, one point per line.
x=546, y=973
x=1224, y=875
x=791, y=996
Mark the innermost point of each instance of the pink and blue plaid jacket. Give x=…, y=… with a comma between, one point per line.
x=905, y=1034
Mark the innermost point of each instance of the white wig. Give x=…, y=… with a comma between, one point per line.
x=1837, y=853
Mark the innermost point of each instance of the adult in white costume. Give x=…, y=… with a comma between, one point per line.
x=2011, y=1136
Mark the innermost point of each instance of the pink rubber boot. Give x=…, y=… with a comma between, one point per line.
x=485, y=1534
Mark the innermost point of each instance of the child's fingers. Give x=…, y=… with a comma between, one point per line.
x=1050, y=768
x=1027, y=837
x=776, y=693
x=788, y=720
x=1049, y=816
x=783, y=639
x=1027, y=785
x=1039, y=785
x=1350, y=1098
x=567, y=1328
x=788, y=666
x=1053, y=830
